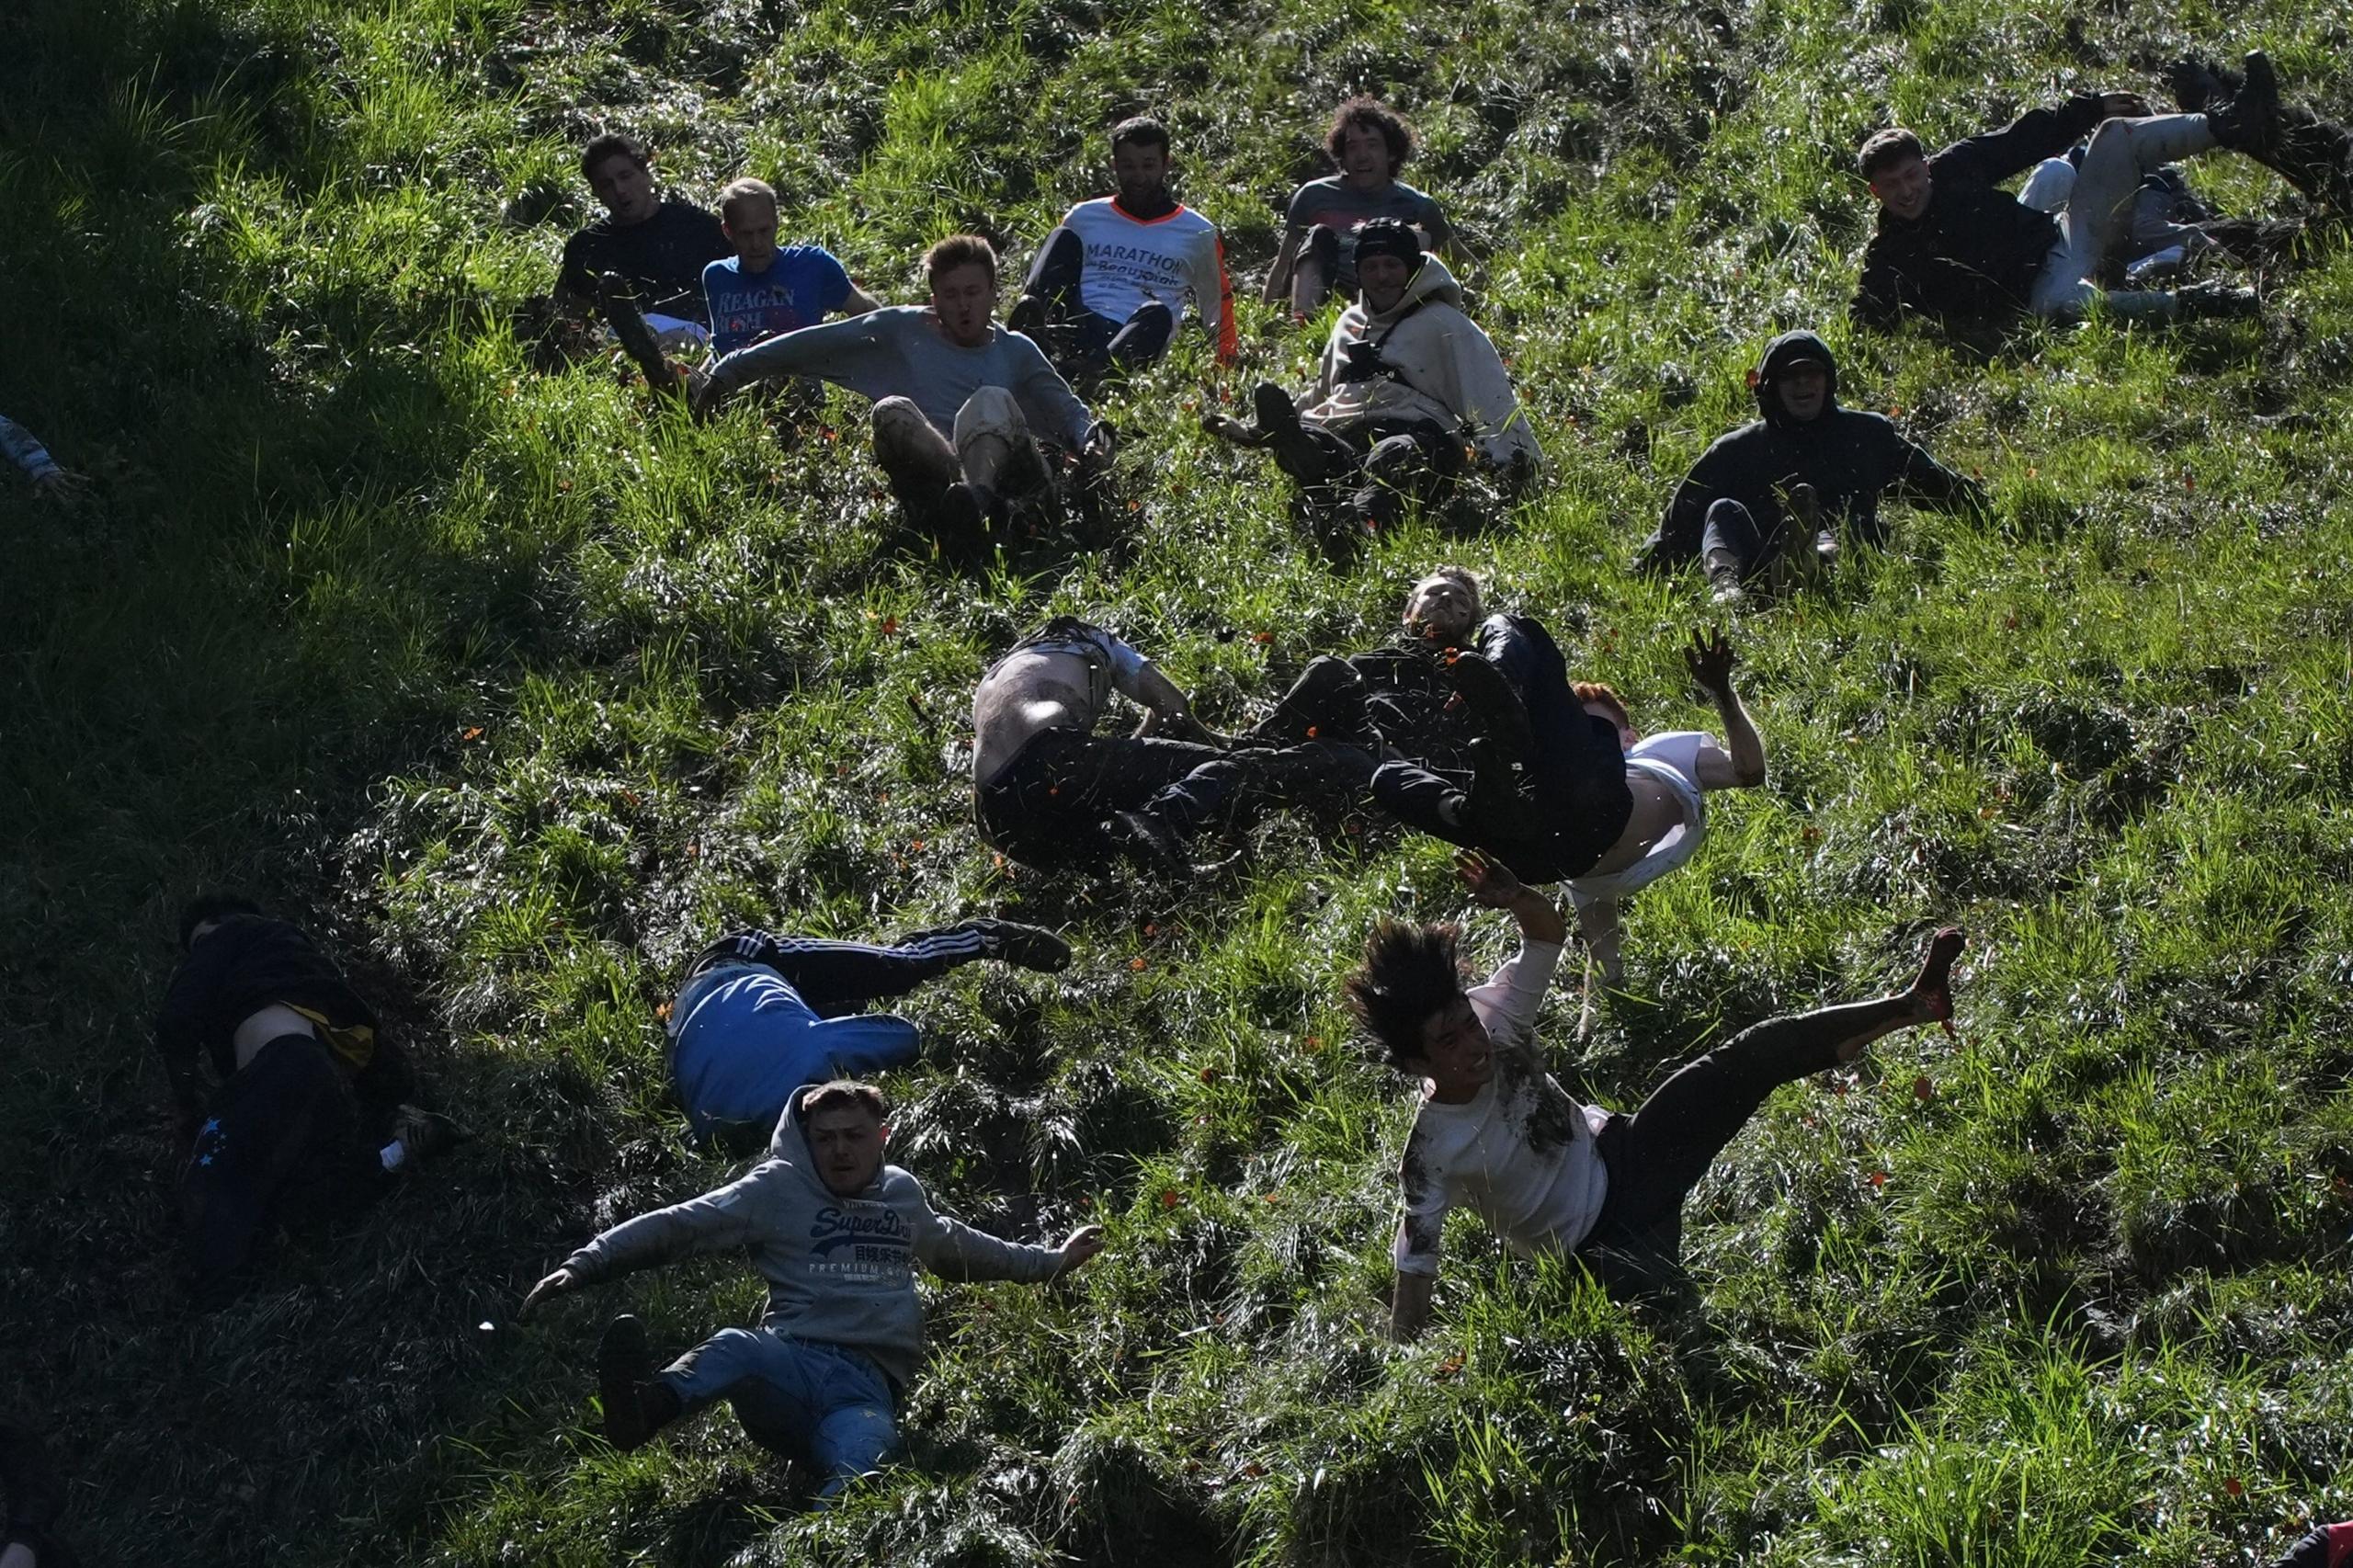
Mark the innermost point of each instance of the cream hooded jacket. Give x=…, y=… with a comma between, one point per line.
x=1446, y=370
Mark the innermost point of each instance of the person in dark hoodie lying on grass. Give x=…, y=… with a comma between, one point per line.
x=1953, y=244
x=1496, y=1134
x=309, y=1118
x=836, y=1234
x=1788, y=485
x=761, y=1016
x=1410, y=392
x=1050, y=792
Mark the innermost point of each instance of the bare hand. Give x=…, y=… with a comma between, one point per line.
x=1101, y=440
x=1711, y=659
x=1080, y=1245
x=555, y=1284
x=61, y=484
x=1490, y=882
x=2124, y=106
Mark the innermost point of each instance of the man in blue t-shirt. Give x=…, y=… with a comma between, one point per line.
x=762, y=291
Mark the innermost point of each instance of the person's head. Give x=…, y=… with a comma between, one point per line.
x=962, y=269
x=1797, y=379
x=1369, y=142
x=621, y=173
x=844, y=1123
x=1604, y=703
x=747, y=211
x=205, y=910
x=1139, y=161
x=1388, y=255
x=1443, y=607
x=1408, y=995
x=1896, y=165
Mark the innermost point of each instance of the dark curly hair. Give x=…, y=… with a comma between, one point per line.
x=1371, y=112
x=216, y=905
x=1410, y=973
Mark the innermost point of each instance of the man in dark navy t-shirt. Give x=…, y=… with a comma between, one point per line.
x=647, y=250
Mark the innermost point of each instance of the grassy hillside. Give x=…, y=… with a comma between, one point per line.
x=517, y=687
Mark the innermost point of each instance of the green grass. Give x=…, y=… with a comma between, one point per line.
x=515, y=688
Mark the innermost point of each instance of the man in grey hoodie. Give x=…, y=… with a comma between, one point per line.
x=1410, y=392
x=836, y=1234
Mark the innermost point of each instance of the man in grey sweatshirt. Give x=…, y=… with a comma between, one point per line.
x=836, y=1234
x=957, y=399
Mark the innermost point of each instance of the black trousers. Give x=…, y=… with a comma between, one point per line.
x=280, y=1144
x=1078, y=338
x=1657, y=1154
x=1046, y=807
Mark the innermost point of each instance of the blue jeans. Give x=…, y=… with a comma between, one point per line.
x=809, y=1401
x=744, y=1038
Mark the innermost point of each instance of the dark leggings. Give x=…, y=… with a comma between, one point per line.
x=279, y=1144
x=1046, y=807
x=836, y=978
x=1056, y=274
x=1657, y=1154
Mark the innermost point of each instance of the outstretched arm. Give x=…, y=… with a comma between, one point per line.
x=1494, y=884
x=1741, y=764
x=712, y=1222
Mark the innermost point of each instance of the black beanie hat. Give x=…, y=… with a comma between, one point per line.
x=1387, y=236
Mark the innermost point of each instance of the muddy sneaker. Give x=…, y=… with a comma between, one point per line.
x=423, y=1134
x=636, y=1407
x=1029, y=318
x=2249, y=121
x=1724, y=577
x=963, y=517
x=2216, y=302
x=1495, y=707
x=637, y=339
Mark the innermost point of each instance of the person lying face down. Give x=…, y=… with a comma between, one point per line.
x=836, y=1234
x=1049, y=791
x=1806, y=477
x=1494, y=1132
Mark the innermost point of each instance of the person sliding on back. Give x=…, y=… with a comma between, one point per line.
x=1109, y=285
x=958, y=400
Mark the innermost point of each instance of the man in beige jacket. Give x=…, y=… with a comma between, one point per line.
x=1410, y=392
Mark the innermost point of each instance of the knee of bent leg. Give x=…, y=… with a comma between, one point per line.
x=897, y=415
x=2111, y=144
x=1723, y=509
x=1324, y=247
x=991, y=411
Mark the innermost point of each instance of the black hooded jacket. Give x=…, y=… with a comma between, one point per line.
x=1974, y=254
x=1848, y=457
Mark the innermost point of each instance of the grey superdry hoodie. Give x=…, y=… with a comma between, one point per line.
x=840, y=1271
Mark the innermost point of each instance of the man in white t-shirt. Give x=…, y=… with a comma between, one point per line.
x=1496, y=1134
x=1109, y=285
x=1669, y=776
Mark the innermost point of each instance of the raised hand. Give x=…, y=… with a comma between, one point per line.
x=1711, y=659
x=1489, y=882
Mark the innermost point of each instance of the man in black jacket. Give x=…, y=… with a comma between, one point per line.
x=307, y=1119
x=1953, y=244
x=1806, y=453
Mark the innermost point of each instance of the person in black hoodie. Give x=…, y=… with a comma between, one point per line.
x=1953, y=244
x=1805, y=455
x=309, y=1118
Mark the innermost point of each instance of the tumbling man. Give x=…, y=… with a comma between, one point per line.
x=762, y=1016
x=1049, y=791
x=764, y=292
x=307, y=1119
x=1953, y=244
x=1408, y=388
x=1496, y=1134
x=1670, y=777
x=1548, y=792
x=836, y=1234
x=957, y=398
x=1109, y=285
x=51, y=482
x=641, y=262
x=1368, y=142
x=1758, y=496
